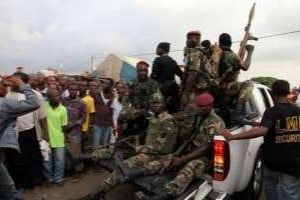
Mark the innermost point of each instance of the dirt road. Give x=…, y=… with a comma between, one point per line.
x=79, y=185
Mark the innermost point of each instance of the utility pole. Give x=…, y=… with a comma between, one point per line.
x=92, y=63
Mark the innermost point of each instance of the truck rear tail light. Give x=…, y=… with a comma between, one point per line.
x=221, y=160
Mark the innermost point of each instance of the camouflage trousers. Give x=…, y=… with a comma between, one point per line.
x=152, y=164
x=139, y=161
x=239, y=90
x=187, y=121
x=190, y=171
x=103, y=154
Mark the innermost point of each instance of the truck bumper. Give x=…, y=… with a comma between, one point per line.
x=206, y=192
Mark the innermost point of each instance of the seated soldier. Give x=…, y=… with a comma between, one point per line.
x=160, y=141
x=196, y=159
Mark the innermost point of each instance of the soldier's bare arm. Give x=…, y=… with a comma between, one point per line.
x=252, y=133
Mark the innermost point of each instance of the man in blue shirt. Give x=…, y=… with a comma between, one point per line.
x=9, y=111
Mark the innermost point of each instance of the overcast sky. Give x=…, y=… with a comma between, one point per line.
x=66, y=33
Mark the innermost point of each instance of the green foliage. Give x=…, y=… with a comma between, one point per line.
x=268, y=81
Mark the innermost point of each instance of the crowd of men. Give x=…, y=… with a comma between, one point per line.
x=60, y=114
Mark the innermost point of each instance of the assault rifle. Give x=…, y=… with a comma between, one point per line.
x=247, y=35
x=242, y=49
x=125, y=140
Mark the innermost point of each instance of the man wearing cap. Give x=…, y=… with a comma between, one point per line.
x=163, y=71
x=160, y=140
x=196, y=77
x=281, y=149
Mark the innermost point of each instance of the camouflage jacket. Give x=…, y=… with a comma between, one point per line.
x=141, y=92
x=161, y=135
x=229, y=66
x=196, y=60
x=207, y=129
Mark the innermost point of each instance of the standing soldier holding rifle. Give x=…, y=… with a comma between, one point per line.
x=229, y=68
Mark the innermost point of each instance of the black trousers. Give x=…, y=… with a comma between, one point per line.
x=25, y=167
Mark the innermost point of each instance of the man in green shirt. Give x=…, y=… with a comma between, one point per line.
x=57, y=119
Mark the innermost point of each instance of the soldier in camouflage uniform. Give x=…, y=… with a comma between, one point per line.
x=231, y=91
x=196, y=77
x=133, y=116
x=197, y=158
x=142, y=88
x=160, y=141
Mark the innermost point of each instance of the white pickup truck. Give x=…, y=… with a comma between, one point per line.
x=238, y=167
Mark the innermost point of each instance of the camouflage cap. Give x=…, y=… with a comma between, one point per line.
x=157, y=97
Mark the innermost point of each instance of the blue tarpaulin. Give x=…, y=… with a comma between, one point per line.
x=118, y=67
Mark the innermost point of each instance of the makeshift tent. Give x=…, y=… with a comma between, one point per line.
x=118, y=67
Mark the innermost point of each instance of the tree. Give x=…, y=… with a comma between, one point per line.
x=267, y=81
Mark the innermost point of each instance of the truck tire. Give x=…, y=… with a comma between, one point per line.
x=254, y=188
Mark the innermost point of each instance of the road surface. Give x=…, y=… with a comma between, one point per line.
x=79, y=185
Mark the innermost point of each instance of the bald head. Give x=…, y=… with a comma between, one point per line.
x=53, y=96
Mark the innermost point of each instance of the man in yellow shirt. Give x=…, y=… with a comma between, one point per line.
x=90, y=108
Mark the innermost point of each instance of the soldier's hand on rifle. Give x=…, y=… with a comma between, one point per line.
x=176, y=162
x=249, y=48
